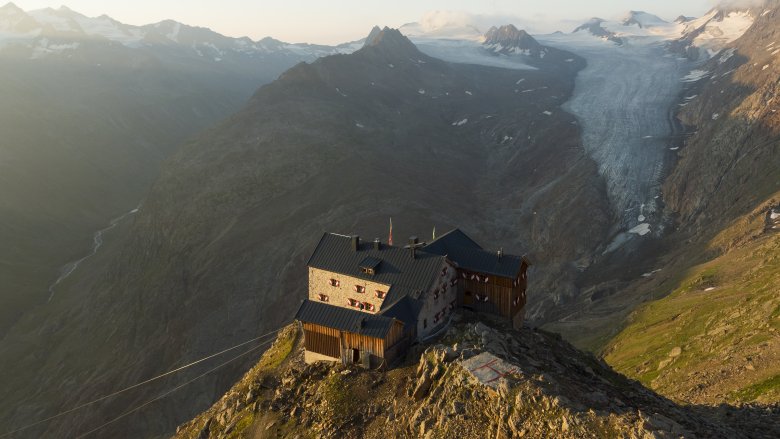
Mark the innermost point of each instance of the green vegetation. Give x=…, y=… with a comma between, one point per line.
x=767, y=387
x=716, y=334
x=246, y=421
x=341, y=401
x=279, y=351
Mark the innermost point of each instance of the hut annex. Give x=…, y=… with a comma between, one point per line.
x=369, y=301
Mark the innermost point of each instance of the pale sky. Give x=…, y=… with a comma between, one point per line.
x=336, y=21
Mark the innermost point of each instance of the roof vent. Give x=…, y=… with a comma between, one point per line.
x=500, y=253
x=355, y=239
x=377, y=244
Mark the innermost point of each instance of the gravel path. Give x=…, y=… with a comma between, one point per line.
x=623, y=100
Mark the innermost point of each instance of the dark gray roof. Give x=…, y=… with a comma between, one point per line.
x=406, y=309
x=468, y=255
x=334, y=253
x=370, y=262
x=344, y=319
x=453, y=238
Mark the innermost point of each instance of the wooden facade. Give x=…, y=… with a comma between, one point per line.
x=351, y=348
x=494, y=294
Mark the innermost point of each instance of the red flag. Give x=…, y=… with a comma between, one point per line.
x=390, y=237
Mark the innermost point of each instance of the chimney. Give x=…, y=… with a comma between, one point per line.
x=413, y=240
x=500, y=253
x=413, y=246
x=355, y=242
x=377, y=244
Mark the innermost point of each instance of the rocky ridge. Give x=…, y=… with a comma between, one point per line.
x=508, y=40
x=551, y=389
x=595, y=28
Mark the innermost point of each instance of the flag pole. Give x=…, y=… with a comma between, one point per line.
x=390, y=236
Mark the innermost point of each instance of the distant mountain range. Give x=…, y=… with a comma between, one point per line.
x=61, y=31
x=697, y=38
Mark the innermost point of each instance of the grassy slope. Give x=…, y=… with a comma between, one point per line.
x=724, y=316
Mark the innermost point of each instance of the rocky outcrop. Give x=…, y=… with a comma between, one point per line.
x=509, y=40
x=594, y=27
x=549, y=389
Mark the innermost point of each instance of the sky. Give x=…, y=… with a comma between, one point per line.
x=337, y=21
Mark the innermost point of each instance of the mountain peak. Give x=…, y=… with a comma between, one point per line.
x=375, y=31
x=390, y=40
x=10, y=7
x=509, y=39
x=682, y=19
x=642, y=19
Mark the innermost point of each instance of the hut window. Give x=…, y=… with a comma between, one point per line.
x=453, y=282
x=435, y=294
x=465, y=276
x=352, y=302
x=367, y=270
x=334, y=282
x=369, y=306
x=360, y=289
x=486, y=279
x=324, y=298
x=380, y=294
x=444, y=271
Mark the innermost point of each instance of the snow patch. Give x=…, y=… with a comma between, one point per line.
x=421, y=91
x=695, y=75
x=469, y=93
x=727, y=54
x=548, y=113
x=641, y=230
x=641, y=218
x=460, y=123
x=715, y=33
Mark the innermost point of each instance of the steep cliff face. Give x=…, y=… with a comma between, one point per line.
x=730, y=164
x=480, y=380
